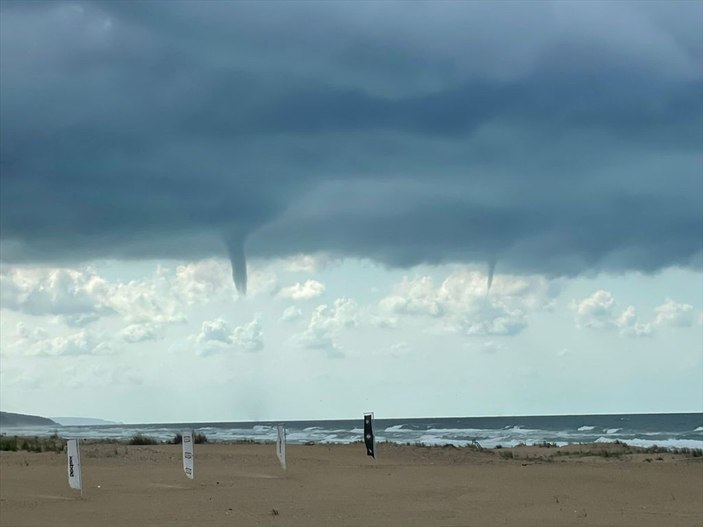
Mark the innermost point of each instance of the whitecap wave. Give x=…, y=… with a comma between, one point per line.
x=261, y=428
x=585, y=428
x=397, y=428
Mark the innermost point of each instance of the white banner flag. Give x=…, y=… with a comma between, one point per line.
x=188, y=453
x=74, y=465
x=281, y=445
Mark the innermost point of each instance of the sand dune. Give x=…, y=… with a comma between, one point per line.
x=337, y=485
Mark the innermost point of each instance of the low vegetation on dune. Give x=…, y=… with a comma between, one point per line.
x=617, y=449
x=141, y=439
x=198, y=438
x=55, y=443
x=52, y=443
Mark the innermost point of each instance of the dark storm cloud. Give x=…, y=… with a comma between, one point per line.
x=549, y=137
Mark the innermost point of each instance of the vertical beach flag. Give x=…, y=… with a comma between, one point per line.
x=188, y=453
x=369, y=438
x=281, y=445
x=74, y=465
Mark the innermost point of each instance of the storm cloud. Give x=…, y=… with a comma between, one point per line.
x=557, y=138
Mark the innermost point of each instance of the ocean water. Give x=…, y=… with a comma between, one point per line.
x=664, y=430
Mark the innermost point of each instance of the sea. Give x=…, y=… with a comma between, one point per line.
x=683, y=430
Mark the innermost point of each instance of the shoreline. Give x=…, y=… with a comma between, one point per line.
x=616, y=447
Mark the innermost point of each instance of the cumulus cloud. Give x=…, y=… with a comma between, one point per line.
x=199, y=282
x=249, y=337
x=596, y=311
x=139, y=333
x=215, y=331
x=217, y=336
x=326, y=323
x=674, y=314
x=68, y=292
x=291, y=313
x=30, y=333
x=128, y=131
x=80, y=296
x=462, y=304
x=303, y=291
x=414, y=297
x=599, y=312
x=37, y=342
x=630, y=326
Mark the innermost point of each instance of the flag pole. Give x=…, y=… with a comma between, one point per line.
x=369, y=435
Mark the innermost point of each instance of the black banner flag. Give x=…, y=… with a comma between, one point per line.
x=369, y=438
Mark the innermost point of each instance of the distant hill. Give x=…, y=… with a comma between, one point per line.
x=82, y=421
x=10, y=419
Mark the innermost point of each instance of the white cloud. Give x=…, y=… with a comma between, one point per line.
x=596, y=311
x=629, y=325
x=147, y=301
x=414, y=297
x=305, y=291
x=80, y=296
x=38, y=342
x=199, y=282
x=291, y=313
x=326, y=323
x=249, y=337
x=42, y=291
x=139, y=333
x=672, y=314
x=217, y=336
x=31, y=334
x=599, y=312
x=205, y=280
x=464, y=305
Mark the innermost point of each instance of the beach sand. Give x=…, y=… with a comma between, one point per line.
x=337, y=485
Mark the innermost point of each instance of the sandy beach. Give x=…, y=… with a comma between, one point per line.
x=242, y=484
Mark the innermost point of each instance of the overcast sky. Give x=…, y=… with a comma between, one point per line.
x=428, y=208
